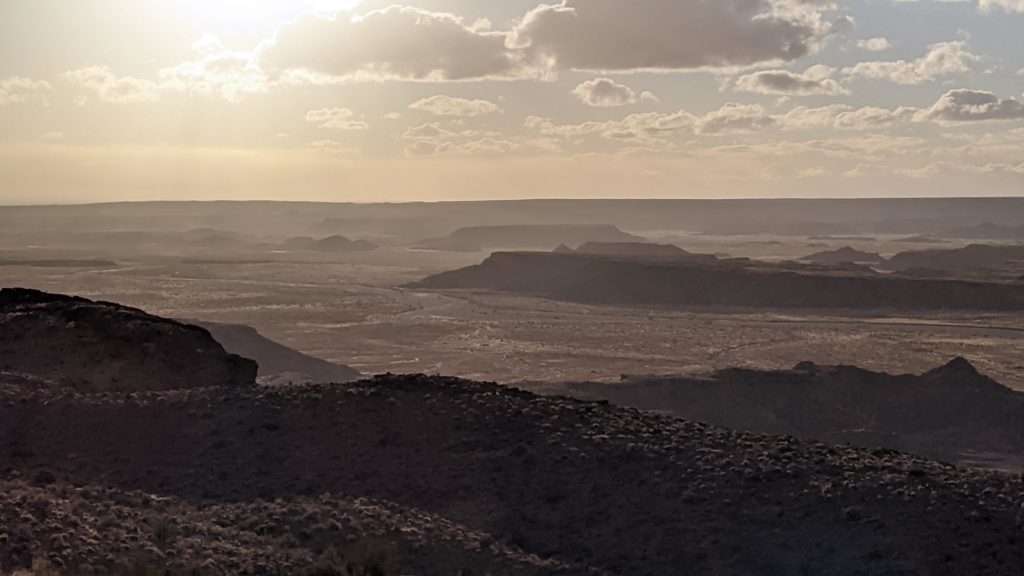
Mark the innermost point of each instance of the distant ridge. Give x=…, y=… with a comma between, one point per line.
x=844, y=255
x=708, y=281
x=542, y=236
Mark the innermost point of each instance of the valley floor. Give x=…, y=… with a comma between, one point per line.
x=349, y=311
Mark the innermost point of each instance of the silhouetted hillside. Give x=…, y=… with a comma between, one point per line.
x=63, y=341
x=277, y=363
x=689, y=282
x=949, y=413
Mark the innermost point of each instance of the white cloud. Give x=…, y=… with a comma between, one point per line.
x=17, y=90
x=336, y=119
x=1007, y=5
x=816, y=80
x=845, y=117
x=225, y=74
x=108, y=87
x=958, y=106
x=217, y=72
x=607, y=93
x=942, y=59
x=735, y=118
x=430, y=131
x=441, y=105
x=874, y=44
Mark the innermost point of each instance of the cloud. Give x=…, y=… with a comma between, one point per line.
x=607, y=93
x=394, y=43
x=413, y=44
x=843, y=117
x=816, y=80
x=430, y=131
x=441, y=105
x=336, y=119
x=18, y=90
x=879, y=44
x=223, y=73
x=612, y=35
x=217, y=72
x=958, y=106
x=1007, y=5
x=657, y=130
x=942, y=60
x=113, y=89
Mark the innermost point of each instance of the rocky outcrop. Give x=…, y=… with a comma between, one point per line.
x=951, y=413
x=68, y=342
x=472, y=477
x=693, y=282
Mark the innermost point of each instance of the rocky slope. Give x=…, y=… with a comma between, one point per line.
x=598, y=279
x=433, y=475
x=952, y=413
x=491, y=479
x=62, y=341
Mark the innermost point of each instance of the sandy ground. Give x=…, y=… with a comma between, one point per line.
x=352, y=310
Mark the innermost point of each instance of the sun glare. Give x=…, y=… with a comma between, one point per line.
x=250, y=16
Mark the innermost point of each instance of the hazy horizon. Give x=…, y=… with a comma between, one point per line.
x=370, y=101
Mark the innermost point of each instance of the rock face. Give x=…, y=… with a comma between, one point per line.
x=951, y=413
x=690, y=282
x=278, y=363
x=472, y=477
x=63, y=341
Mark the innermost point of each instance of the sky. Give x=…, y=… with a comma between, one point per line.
x=371, y=101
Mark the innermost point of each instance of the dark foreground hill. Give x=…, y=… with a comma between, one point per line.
x=481, y=477
x=63, y=341
x=687, y=281
x=952, y=413
x=542, y=236
x=277, y=363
